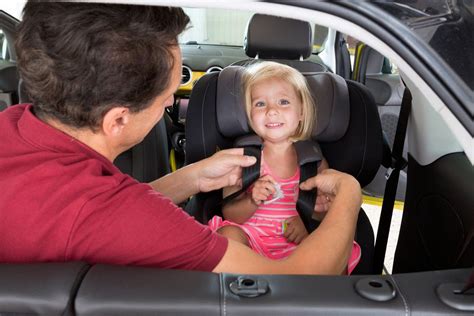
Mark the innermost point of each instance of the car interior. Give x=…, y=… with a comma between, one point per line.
x=359, y=104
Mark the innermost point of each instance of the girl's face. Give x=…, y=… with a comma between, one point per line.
x=275, y=110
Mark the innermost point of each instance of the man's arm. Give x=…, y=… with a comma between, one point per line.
x=223, y=169
x=324, y=251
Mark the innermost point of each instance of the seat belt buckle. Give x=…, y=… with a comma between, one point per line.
x=397, y=163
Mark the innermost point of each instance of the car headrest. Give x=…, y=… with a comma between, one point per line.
x=276, y=37
x=329, y=91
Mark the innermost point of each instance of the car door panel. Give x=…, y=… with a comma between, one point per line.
x=438, y=220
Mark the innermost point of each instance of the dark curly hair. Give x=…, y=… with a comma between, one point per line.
x=79, y=60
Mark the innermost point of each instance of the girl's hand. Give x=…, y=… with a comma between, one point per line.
x=262, y=189
x=295, y=230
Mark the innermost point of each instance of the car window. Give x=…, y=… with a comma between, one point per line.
x=446, y=28
x=228, y=27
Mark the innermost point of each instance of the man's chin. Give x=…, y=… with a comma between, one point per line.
x=130, y=146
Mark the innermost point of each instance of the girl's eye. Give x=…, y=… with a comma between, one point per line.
x=259, y=104
x=283, y=102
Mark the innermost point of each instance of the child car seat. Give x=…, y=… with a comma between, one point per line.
x=348, y=127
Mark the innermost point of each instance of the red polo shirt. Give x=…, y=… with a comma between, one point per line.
x=61, y=201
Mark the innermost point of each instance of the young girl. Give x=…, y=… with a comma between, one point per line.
x=280, y=110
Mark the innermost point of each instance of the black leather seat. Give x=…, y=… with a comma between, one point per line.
x=40, y=288
x=76, y=288
x=148, y=160
x=348, y=127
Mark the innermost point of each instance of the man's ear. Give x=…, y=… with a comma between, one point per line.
x=115, y=121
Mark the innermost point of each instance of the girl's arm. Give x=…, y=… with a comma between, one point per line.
x=242, y=208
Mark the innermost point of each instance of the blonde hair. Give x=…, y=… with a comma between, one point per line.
x=267, y=70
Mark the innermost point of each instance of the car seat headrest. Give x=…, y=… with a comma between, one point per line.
x=329, y=91
x=276, y=37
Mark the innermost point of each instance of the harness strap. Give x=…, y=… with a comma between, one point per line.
x=249, y=174
x=307, y=199
x=309, y=157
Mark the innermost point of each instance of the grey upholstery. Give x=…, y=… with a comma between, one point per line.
x=119, y=290
x=75, y=289
x=39, y=289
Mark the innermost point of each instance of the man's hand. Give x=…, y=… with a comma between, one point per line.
x=295, y=230
x=328, y=183
x=322, y=205
x=222, y=169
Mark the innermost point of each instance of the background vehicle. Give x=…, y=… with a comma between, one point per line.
x=435, y=248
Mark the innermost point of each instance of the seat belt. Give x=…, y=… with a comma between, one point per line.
x=309, y=156
x=397, y=164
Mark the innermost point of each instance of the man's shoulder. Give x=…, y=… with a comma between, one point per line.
x=12, y=114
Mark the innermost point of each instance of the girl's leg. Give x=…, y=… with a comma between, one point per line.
x=234, y=233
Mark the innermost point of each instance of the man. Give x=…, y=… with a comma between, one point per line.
x=99, y=77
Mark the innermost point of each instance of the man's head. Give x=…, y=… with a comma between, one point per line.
x=80, y=60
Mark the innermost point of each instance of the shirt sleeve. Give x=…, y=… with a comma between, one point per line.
x=134, y=225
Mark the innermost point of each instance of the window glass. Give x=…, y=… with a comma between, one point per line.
x=228, y=27
x=320, y=35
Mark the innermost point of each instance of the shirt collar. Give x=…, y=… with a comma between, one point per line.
x=41, y=134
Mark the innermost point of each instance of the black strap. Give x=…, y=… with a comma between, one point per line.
x=398, y=163
x=249, y=174
x=307, y=199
